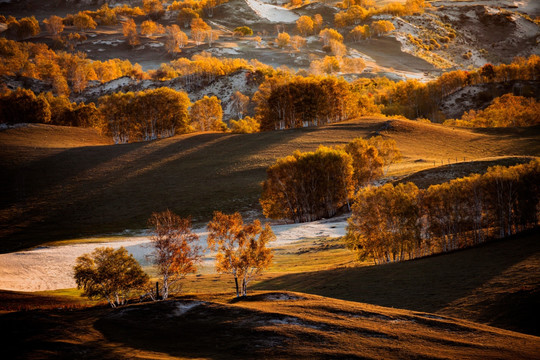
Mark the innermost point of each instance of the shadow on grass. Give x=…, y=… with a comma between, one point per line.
x=434, y=283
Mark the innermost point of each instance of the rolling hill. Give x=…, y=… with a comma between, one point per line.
x=264, y=326
x=60, y=189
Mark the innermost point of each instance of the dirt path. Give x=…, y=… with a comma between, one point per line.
x=50, y=267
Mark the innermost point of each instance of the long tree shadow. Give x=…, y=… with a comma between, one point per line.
x=432, y=284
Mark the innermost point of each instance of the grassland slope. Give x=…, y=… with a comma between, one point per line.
x=497, y=284
x=264, y=326
x=59, y=193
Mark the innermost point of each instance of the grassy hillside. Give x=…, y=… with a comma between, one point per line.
x=264, y=326
x=60, y=189
x=497, y=283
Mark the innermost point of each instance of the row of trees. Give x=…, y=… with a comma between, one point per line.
x=314, y=185
x=293, y=102
x=241, y=251
x=414, y=99
x=359, y=11
x=507, y=110
x=145, y=115
x=393, y=223
x=65, y=72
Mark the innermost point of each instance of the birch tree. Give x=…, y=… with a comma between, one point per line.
x=175, y=249
x=241, y=248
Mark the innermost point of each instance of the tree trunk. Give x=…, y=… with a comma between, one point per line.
x=236, y=282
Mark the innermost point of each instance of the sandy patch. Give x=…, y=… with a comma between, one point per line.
x=271, y=12
x=51, y=267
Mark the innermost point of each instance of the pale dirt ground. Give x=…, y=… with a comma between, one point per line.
x=51, y=267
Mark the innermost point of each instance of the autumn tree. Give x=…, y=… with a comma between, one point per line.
x=54, y=25
x=83, y=21
x=298, y=42
x=381, y=27
x=247, y=125
x=330, y=34
x=367, y=164
x=206, y=114
x=283, y=39
x=240, y=103
x=153, y=8
x=176, y=39
x=505, y=111
x=308, y=186
x=113, y=275
x=241, y=248
x=23, y=28
x=243, y=31
x=317, y=23
x=305, y=25
x=302, y=101
x=387, y=150
x=186, y=15
x=145, y=115
x=352, y=65
x=199, y=30
x=129, y=29
x=23, y=106
x=150, y=27
x=175, y=249
x=361, y=32
x=212, y=36
x=384, y=223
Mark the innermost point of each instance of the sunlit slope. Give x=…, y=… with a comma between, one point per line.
x=265, y=326
x=497, y=283
x=50, y=193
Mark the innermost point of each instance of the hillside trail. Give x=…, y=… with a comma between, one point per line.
x=51, y=267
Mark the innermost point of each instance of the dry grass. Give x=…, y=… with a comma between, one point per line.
x=497, y=283
x=50, y=191
x=297, y=326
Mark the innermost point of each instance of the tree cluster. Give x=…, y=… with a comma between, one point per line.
x=414, y=99
x=293, y=102
x=314, y=185
x=65, y=72
x=393, y=223
x=114, y=275
x=145, y=115
x=507, y=110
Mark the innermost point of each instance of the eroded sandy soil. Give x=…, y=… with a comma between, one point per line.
x=51, y=267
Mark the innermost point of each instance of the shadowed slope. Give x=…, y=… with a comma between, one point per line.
x=51, y=193
x=264, y=326
x=497, y=283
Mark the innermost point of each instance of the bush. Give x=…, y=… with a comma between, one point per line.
x=243, y=31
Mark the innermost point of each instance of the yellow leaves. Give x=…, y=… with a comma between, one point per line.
x=308, y=186
x=241, y=248
x=206, y=115
x=129, y=30
x=381, y=27
x=248, y=125
x=283, y=39
x=505, y=111
x=305, y=25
